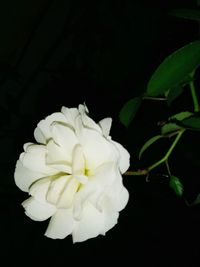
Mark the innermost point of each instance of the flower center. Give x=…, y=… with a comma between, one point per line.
x=62, y=187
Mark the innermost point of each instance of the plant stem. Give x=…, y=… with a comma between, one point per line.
x=154, y=98
x=194, y=95
x=138, y=172
x=174, y=143
x=168, y=168
x=156, y=164
x=164, y=159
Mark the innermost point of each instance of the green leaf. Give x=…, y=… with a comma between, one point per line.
x=181, y=116
x=191, y=14
x=169, y=127
x=174, y=70
x=192, y=123
x=172, y=126
x=197, y=200
x=174, y=93
x=176, y=185
x=149, y=143
x=129, y=110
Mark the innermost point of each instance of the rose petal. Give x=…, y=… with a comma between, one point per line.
x=110, y=214
x=61, y=224
x=24, y=177
x=65, y=138
x=124, y=158
x=119, y=198
x=70, y=115
x=98, y=184
x=82, y=108
x=55, y=153
x=39, y=189
x=81, y=178
x=39, y=136
x=87, y=121
x=56, y=157
x=56, y=188
x=61, y=167
x=67, y=196
x=96, y=148
x=38, y=211
x=110, y=220
x=105, y=125
x=118, y=194
x=110, y=184
x=26, y=145
x=42, y=132
x=90, y=225
x=78, y=163
x=35, y=159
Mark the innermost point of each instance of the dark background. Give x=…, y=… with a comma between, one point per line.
x=59, y=52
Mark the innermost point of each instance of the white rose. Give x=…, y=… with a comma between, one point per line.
x=73, y=175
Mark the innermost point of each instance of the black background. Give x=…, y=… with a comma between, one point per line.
x=55, y=53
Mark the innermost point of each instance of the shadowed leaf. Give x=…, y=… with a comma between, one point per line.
x=129, y=110
x=149, y=143
x=169, y=127
x=191, y=14
x=182, y=115
x=192, y=123
x=172, y=126
x=197, y=200
x=174, y=93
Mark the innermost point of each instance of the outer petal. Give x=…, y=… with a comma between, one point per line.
x=110, y=221
x=110, y=214
x=119, y=197
x=39, y=189
x=35, y=159
x=42, y=132
x=70, y=115
x=82, y=108
x=61, y=224
x=39, y=136
x=24, y=177
x=124, y=158
x=38, y=211
x=112, y=189
x=87, y=121
x=105, y=125
x=117, y=193
x=90, y=225
x=122, y=199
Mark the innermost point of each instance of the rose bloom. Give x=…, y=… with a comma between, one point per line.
x=73, y=175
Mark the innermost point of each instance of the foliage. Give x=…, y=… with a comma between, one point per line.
x=174, y=76
x=129, y=110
